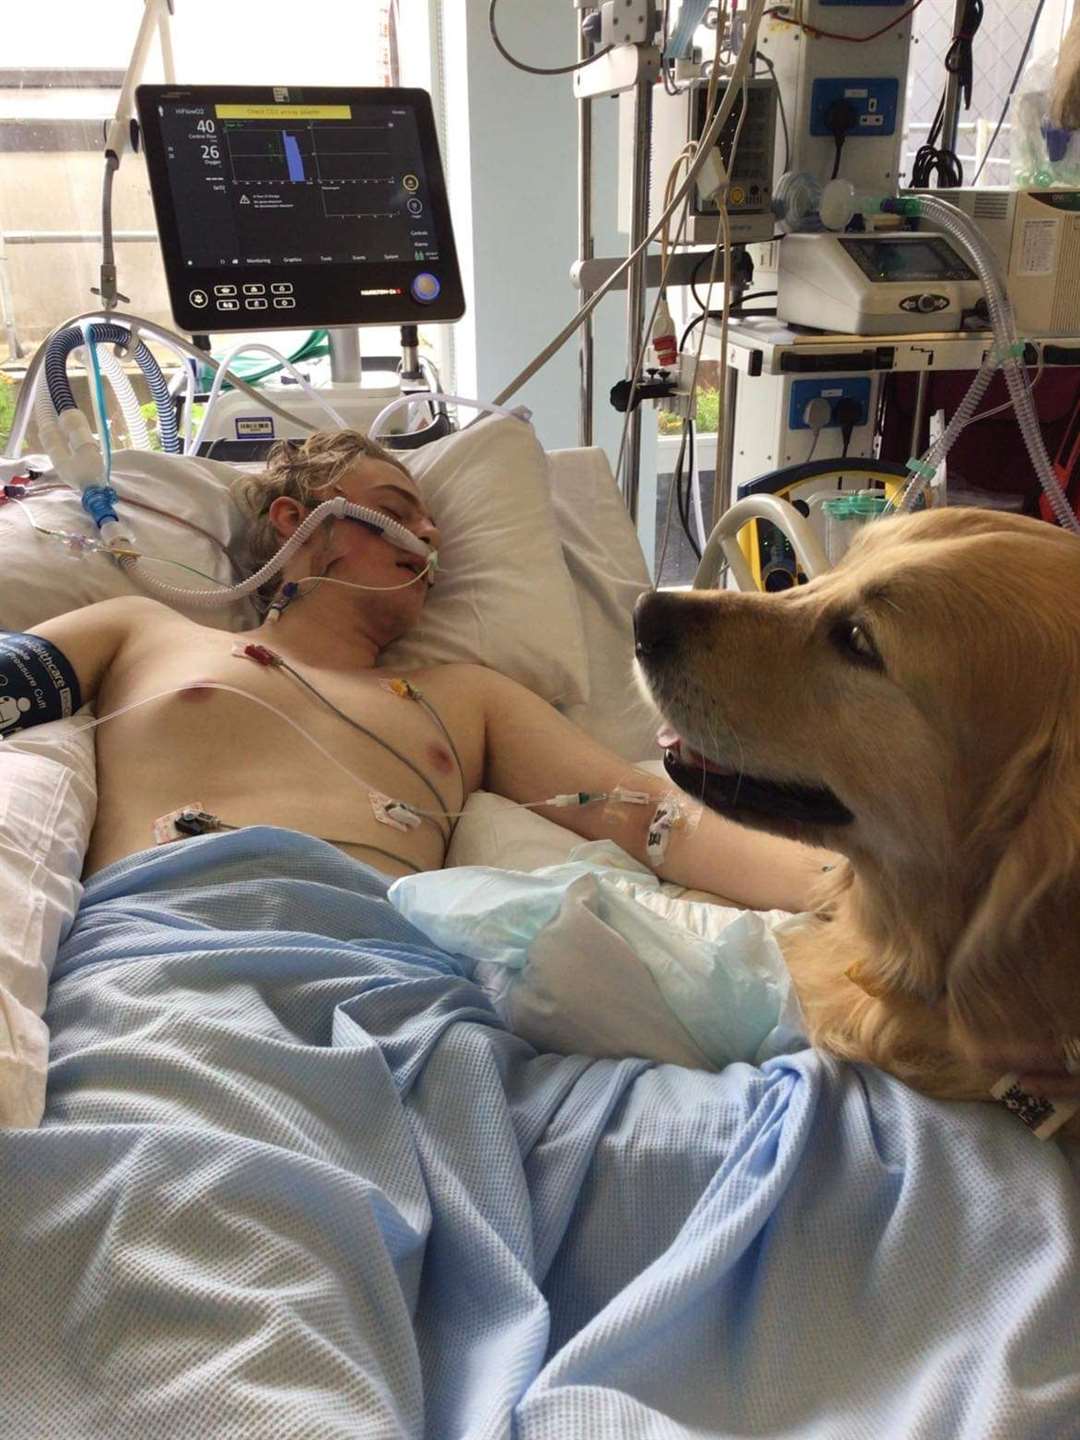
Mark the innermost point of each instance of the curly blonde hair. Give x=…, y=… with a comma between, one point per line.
x=303, y=472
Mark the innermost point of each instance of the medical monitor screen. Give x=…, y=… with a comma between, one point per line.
x=918, y=258
x=293, y=206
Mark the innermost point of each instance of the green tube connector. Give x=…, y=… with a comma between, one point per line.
x=920, y=467
x=909, y=205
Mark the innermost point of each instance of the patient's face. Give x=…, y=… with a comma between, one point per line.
x=359, y=555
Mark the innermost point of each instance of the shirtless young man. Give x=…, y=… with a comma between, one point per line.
x=477, y=729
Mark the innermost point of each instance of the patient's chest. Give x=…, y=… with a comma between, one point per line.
x=267, y=750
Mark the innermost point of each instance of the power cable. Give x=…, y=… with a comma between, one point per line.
x=537, y=69
x=929, y=159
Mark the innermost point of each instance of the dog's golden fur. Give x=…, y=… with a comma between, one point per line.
x=1065, y=96
x=956, y=748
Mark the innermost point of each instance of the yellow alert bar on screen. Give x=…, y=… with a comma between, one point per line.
x=283, y=112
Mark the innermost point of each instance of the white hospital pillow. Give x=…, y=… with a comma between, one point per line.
x=40, y=579
x=48, y=797
x=495, y=831
x=505, y=600
x=503, y=597
x=608, y=570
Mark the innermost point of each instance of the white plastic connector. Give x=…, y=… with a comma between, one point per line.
x=75, y=428
x=665, y=345
x=52, y=442
x=78, y=458
x=572, y=801
x=113, y=533
x=713, y=175
x=817, y=413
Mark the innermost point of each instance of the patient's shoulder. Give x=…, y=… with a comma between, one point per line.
x=129, y=607
x=480, y=679
x=91, y=638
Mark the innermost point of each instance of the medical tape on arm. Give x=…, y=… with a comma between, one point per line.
x=674, y=812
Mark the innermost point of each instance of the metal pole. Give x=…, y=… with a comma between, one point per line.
x=921, y=386
x=585, y=249
x=725, y=444
x=7, y=305
x=345, y=367
x=635, y=293
x=951, y=113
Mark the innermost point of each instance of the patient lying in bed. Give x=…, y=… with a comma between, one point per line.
x=450, y=731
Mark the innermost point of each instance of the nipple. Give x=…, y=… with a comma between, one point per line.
x=440, y=758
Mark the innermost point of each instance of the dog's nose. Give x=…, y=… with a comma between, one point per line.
x=656, y=624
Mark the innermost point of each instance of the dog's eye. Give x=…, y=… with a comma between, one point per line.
x=853, y=639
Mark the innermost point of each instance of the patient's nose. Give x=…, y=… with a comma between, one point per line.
x=657, y=624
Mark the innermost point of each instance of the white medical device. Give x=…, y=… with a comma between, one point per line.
x=682, y=117
x=1035, y=236
x=891, y=284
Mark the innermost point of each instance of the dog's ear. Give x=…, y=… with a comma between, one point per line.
x=1015, y=973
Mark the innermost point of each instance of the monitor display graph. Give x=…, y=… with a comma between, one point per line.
x=303, y=154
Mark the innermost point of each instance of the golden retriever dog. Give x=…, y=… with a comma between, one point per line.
x=916, y=709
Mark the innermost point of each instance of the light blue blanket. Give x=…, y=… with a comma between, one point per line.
x=296, y=1180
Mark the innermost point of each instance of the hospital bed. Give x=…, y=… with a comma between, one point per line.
x=316, y=1189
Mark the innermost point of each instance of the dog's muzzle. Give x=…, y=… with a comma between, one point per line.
x=659, y=624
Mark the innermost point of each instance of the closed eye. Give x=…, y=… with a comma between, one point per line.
x=855, y=643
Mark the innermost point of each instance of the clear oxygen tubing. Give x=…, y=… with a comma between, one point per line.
x=225, y=368
x=28, y=391
x=928, y=463
x=1009, y=351
x=126, y=398
x=422, y=397
x=337, y=509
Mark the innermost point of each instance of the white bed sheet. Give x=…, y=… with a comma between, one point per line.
x=608, y=571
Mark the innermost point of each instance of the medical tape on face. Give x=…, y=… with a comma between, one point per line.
x=393, y=530
x=1042, y=1116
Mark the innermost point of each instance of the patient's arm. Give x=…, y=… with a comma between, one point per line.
x=532, y=752
x=91, y=638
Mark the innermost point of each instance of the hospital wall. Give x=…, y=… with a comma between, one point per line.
x=513, y=183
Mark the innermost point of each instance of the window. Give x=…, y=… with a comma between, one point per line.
x=996, y=53
x=61, y=72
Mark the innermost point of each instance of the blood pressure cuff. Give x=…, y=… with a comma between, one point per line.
x=37, y=683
